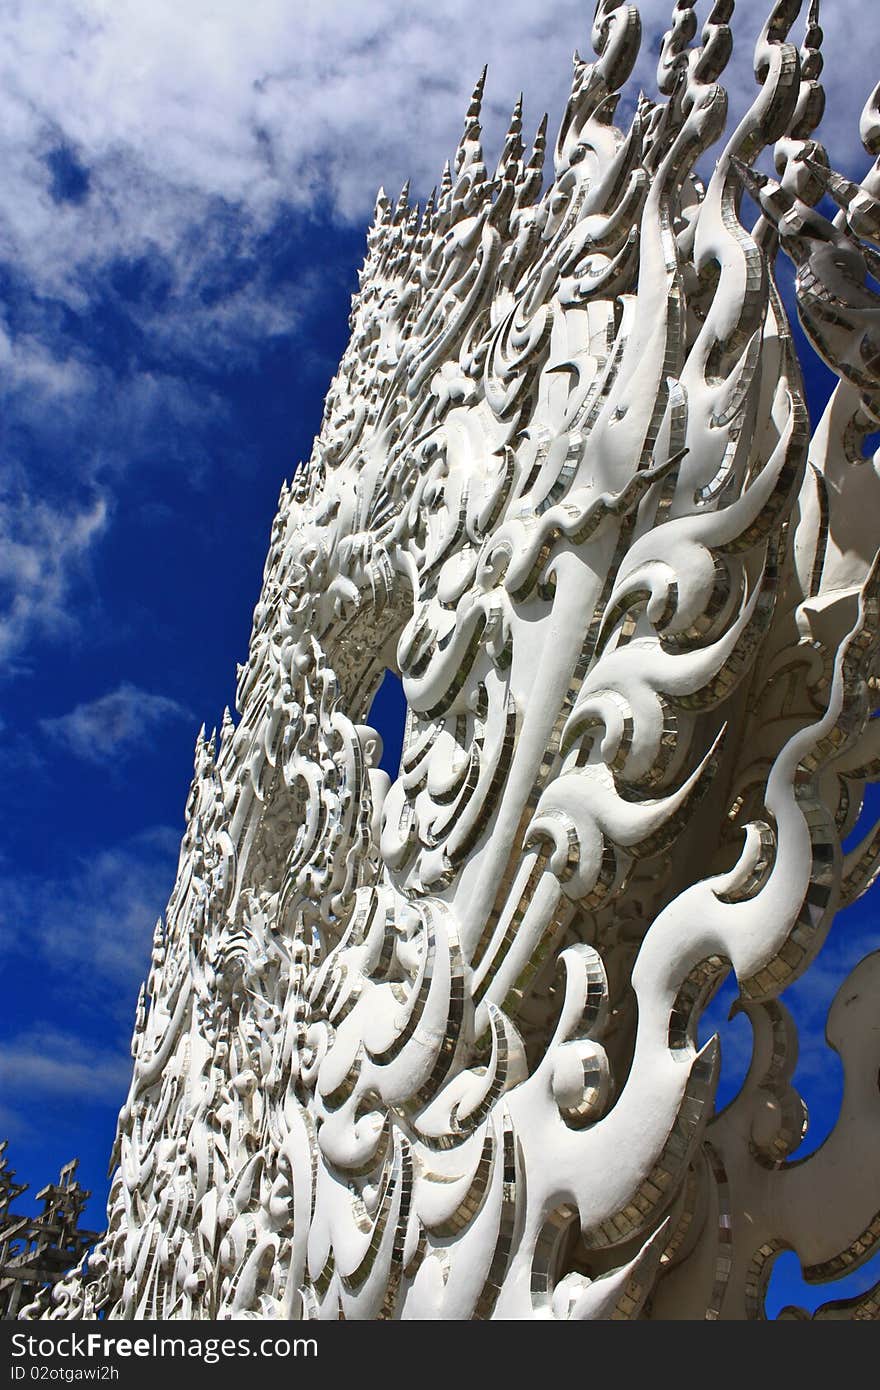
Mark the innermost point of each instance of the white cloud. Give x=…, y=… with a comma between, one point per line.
x=88, y=926
x=29, y=365
x=13, y=1124
x=41, y=550
x=170, y=110
x=167, y=141
x=112, y=726
x=78, y=941
x=45, y=1061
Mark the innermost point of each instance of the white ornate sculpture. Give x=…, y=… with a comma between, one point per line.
x=429, y=1049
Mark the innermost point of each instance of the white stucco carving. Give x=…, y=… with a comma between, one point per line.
x=429, y=1049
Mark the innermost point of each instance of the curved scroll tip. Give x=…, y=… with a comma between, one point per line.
x=869, y=123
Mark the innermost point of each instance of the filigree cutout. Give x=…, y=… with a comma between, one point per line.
x=429, y=1050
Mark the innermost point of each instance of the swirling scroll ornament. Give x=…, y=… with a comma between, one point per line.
x=427, y=1049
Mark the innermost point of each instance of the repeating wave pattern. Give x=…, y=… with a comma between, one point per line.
x=428, y=1049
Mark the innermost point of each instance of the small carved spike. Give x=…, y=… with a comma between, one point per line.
x=469, y=153
x=382, y=212
x=227, y=729
x=402, y=205
x=529, y=184
x=473, y=111
x=512, y=151
x=539, y=145
x=427, y=222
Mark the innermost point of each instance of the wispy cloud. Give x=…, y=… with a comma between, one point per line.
x=76, y=941
x=114, y=725
x=86, y=928
x=156, y=157
x=193, y=108
x=42, y=549
x=61, y=1091
x=13, y=1124
x=46, y=1061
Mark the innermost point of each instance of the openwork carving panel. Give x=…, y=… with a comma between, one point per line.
x=428, y=1049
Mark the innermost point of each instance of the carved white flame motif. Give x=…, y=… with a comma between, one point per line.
x=431, y=1053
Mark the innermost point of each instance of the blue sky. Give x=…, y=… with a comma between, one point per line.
x=185, y=197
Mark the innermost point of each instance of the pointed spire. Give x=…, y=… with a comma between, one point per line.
x=473, y=111
x=444, y=201
x=540, y=145
x=382, y=210
x=753, y=180
x=140, y=1020
x=773, y=200
x=469, y=151
x=402, y=205
x=529, y=185
x=227, y=728
x=859, y=208
x=512, y=150
x=422, y=235
x=428, y=215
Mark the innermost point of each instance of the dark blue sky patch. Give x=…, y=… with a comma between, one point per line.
x=146, y=281
x=69, y=179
